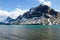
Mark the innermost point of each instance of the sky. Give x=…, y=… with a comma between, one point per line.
x=14, y=8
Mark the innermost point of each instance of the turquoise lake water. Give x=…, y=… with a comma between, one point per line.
x=29, y=32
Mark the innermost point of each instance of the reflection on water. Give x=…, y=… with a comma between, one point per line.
x=29, y=32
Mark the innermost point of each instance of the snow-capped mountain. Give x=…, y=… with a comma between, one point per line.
x=41, y=14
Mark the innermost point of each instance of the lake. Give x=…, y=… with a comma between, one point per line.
x=29, y=32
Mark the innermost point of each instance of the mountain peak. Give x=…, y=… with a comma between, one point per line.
x=43, y=8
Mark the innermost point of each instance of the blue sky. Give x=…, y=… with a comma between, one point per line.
x=12, y=4
x=25, y=4
x=14, y=8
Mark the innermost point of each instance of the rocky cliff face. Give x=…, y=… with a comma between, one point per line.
x=42, y=14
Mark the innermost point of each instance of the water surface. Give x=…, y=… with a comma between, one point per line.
x=29, y=32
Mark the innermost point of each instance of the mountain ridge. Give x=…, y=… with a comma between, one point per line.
x=41, y=14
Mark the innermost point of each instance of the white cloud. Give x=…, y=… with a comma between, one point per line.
x=17, y=12
x=57, y=10
x=13, y=14
x=48, y=3
x=3, y=15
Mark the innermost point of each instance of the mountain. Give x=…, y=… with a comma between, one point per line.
x=9, y=20
x=41, y=14
x=41, y=10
